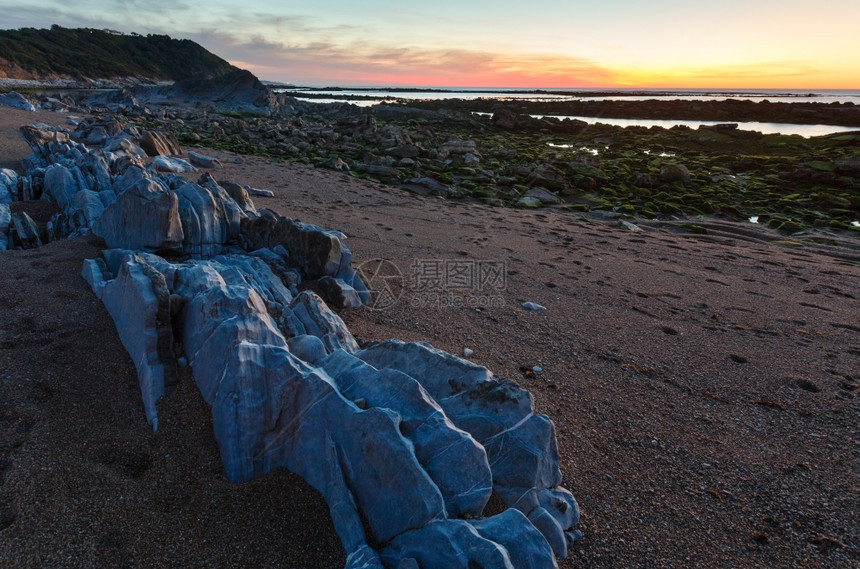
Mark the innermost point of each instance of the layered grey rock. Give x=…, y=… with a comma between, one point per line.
x=144, y=216
x=159, y=143
x=476, y=401
x=316, y=252
x=203, y=161
x=24, y=232
x=8, y=185
x=139, y=303
x=169, y=164
x=204, y=227
x=405, y=442
x=520, y=445
x=453, y=459
x=5, y=223
x=17, y=100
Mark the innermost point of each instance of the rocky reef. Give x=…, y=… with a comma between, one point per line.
x=508, y=158
x=425, y=459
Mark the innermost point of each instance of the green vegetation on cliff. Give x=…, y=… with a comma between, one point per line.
x=29, y=53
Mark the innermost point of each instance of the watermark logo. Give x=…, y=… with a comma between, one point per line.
x=384, y=281
x=436, y=283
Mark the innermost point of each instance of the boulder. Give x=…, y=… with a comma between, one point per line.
x=125, y=146
x=97, y=275
x=546, y=176
x=674, y=173
x=525, y=544
x=17, y=101
x=435, y=186
x=24, y=231
x=254, y=272
x=60, y=184
x=203, y=161
x=503, y=118
x=160, y=143
x=175, y=165
x=308, y=314
x=529, y=202
x=144, y=216
x=457, y=544
x=89, y=205
x=8, y=185
x=204, y=227
x=404, y=151
x=475, y=400
x=338, y=293
x=214, y=322
x=97, y=136
x=456, y=463
x=272, y=410
x=307, y=348
x=525, y=455
x=260, y=193
x=334, y=163
x=315, y=251
x=457, y=147
x=848, y=166
x=139, y=303
x=5, y=224
x=545, y=196
x=238, y=194
x=366, y=558
x=95, y=166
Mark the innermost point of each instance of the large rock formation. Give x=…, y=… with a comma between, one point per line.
x=406, y=443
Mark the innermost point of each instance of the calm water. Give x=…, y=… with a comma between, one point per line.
x=805, y=130
x=369, y=97
x=772, y=95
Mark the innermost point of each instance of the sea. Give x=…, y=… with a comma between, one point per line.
x=367, y=96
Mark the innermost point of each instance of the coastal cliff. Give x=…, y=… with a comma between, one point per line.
x=86, y=54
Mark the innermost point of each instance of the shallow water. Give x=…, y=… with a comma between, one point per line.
x=772, y=95
x=804, y=130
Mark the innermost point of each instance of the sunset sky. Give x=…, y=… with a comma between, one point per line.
x=785, y=44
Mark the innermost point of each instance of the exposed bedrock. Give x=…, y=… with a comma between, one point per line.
x=405, y=442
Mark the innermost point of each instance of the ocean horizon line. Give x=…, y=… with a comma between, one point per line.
x=515, y=89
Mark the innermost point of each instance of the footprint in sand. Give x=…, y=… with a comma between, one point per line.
x=808, y=305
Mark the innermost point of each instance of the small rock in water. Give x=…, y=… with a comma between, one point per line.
x=533, y=306
x=537, y=369
x=467, y=352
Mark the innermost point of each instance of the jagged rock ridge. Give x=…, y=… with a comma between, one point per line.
x=405, y=442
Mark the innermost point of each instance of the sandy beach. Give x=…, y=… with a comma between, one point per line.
x=704, y=388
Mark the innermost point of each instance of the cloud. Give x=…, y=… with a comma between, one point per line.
x=326, y=62
x=295, y=48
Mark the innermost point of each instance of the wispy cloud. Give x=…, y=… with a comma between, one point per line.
x=326, y=62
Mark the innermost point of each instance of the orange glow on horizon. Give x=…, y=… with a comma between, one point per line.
x=536, y=71
x=639, y=79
